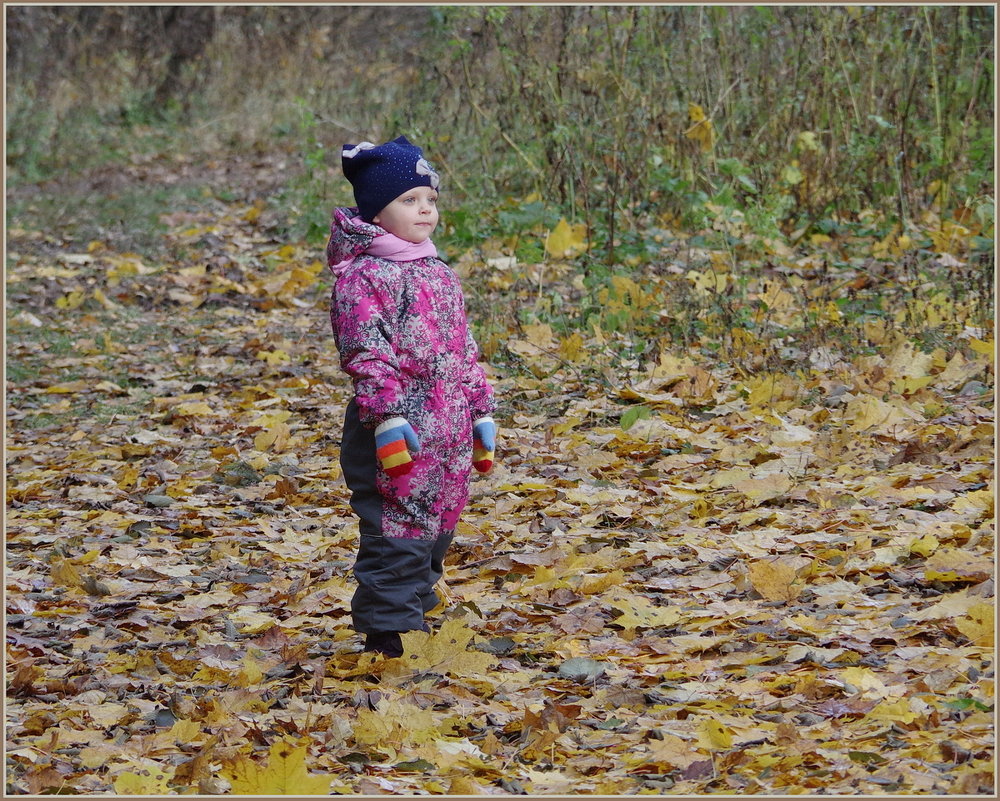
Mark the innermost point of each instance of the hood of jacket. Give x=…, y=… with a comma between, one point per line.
x=350, y=236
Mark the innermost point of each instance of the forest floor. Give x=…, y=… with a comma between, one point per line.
x=771, y=583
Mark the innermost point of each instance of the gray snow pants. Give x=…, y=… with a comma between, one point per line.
x=396, y=575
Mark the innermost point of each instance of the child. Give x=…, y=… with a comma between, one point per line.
x=421, y=413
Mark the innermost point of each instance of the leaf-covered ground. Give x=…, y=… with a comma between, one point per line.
x=679, y=579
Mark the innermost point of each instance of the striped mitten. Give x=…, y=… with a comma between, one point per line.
x=484, y=442
x=394, y=440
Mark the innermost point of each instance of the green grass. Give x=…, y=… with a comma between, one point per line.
x=141, y=336
x=125, y=218
x=36, y=347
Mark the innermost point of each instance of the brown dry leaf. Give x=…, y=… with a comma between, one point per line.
x=953, y=564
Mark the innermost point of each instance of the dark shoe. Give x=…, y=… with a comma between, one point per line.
x=387, y=643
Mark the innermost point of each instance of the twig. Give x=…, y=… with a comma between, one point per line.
x=535, y=169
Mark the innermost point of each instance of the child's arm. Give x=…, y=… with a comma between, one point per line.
x=482, y=404
x=476, y=386
x=364, y=318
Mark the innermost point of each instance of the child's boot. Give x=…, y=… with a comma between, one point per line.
x=387, y=643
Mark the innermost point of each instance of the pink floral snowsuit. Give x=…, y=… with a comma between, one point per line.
x=403, y=338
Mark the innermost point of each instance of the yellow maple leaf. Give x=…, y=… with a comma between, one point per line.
x=952, y=605
x=119, y=268
x=447, y=650
x=96, y=756
x=572, y=347
x=67, y=388
x=701, y=130
x=538, y=340
x=708, y=282
x=285, y=773
x=714, y=736
x=597, y=583
x=103, y=299
x=274, y=357
x=764, y=488
x=272, y=418
x=771, y=391
x=671, y=751
x=864, y=680
x=979, y=625
x=396, y=724
x=276, y=436
x=64, y=572
x=957, y=371
x=87, y=558
x=640, y=613
x=71, y=300
x=908, y=386
x=949, y=237
x=777, y=298
x=251, y=622
x=908, y=362
x=193, y=409
x=185, y=731
x=301, y=278
x=925, y=545
x=463, y=785
x=252, y=214
x=984, y=347
x=871, y=413
x=107, y=715
x=540, y=335
x=978, y=504
x=777, y=579
x=249, y=675
x=151, y=781
x=894, y=710
x=565, y=240
x=671, y=367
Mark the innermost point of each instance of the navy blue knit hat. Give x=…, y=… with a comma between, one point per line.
x=381, y=173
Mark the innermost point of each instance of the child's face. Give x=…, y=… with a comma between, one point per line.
x=412, y=216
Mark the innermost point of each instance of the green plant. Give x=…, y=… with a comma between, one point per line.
x=307, y=197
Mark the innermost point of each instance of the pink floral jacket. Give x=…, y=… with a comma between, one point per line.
x=403, y=338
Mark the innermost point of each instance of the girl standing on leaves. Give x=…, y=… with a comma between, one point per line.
x=421, y=417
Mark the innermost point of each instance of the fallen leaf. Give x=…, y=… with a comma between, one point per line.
x=284, y=773
x=777, y=579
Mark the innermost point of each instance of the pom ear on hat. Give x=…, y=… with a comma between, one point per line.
x=381, y=173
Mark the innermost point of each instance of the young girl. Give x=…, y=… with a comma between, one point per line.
x=420, y=418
